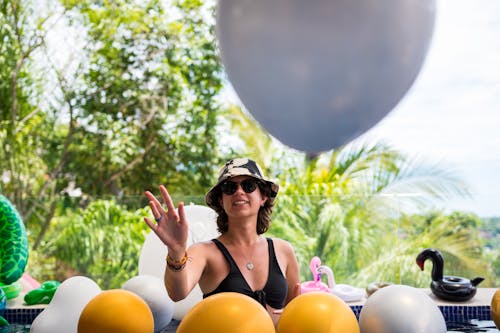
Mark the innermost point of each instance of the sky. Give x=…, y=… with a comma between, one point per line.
x=451, y=114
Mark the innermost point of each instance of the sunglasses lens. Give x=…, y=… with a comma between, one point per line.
x=249, y=185
x=230, y=187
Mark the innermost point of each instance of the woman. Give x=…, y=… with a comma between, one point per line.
x=240, y=259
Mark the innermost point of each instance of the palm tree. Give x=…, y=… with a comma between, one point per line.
x=345, y=207
x=455, y=235
x=255, y=142
x=348, y=207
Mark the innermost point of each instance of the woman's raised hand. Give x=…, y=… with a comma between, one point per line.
x=171, y=225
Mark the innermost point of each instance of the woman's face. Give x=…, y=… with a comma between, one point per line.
x=241, y=196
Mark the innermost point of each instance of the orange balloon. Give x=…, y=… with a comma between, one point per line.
x=116, y=310
x=495, y=308
x=227, y=312
x=317, y=312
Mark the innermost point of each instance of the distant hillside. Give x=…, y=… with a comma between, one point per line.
x=490, y=231
x=491, y=225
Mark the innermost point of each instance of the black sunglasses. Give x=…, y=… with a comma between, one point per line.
x=248, y=185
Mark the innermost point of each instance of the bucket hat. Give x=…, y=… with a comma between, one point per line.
x=239, y=167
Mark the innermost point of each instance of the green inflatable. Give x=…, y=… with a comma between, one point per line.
x=3, y=303
x=43, y=294
x=13, y=248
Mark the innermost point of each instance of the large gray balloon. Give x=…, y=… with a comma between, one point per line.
x=317, y=74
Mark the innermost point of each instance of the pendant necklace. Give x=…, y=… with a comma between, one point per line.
x=249, y=265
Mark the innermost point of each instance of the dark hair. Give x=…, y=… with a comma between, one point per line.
x=263, y=219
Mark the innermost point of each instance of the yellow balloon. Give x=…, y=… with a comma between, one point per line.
x=495, y=308
x=114, y=311
x=317, y=312
x=228, y=312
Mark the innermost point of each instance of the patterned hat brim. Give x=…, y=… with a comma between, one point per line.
x=239, y=167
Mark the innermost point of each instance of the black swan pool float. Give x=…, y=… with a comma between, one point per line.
x=450, y=288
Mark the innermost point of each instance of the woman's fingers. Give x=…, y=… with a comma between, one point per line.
x=171, y=224
x=182, y=213
x=152, y=198
x=167, y=199
x=156, y=206
x=156, y=229
x=149, y=223
x=156, y=212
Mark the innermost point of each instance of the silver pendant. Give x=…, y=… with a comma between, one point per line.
x=249, y=266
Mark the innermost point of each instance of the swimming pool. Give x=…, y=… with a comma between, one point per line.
x=466, y=317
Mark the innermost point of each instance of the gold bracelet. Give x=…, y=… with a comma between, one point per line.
x=176, y=268
x=180, y=261
x=177, y=265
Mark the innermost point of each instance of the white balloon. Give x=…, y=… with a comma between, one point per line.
x=152, y=290
x=399, y=308
x=317, y=74
x=152, y=257
x=202, y=226
x=63, y=311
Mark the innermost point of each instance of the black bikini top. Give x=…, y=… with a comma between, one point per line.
x=274, y=292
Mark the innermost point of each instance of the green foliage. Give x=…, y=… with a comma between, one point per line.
x=131, y=104
x=134, y=104
x=147, y=98
x=329, y=204
x=102, y=242
x=491, y=235
x=492, y=225
x=21, y=122
x=16, y=84
x=347, y=210
x=455, y=235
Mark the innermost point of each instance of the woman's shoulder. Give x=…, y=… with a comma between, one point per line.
x=202, y=246
x=281, y=244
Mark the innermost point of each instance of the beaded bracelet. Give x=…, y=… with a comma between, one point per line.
x=177, y=265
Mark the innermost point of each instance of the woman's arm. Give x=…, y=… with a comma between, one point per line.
x=179, y=283
x=290, y=268
x=292, y=275
x=184, y=266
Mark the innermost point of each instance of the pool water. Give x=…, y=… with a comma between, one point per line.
x=15, y=328
x=458, y=318
x=486, y=326
x=472, y=326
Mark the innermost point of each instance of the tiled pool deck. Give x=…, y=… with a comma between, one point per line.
x=478, y=308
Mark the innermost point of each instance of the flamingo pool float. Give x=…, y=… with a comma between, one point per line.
x=316, y=284
x=346, y=292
